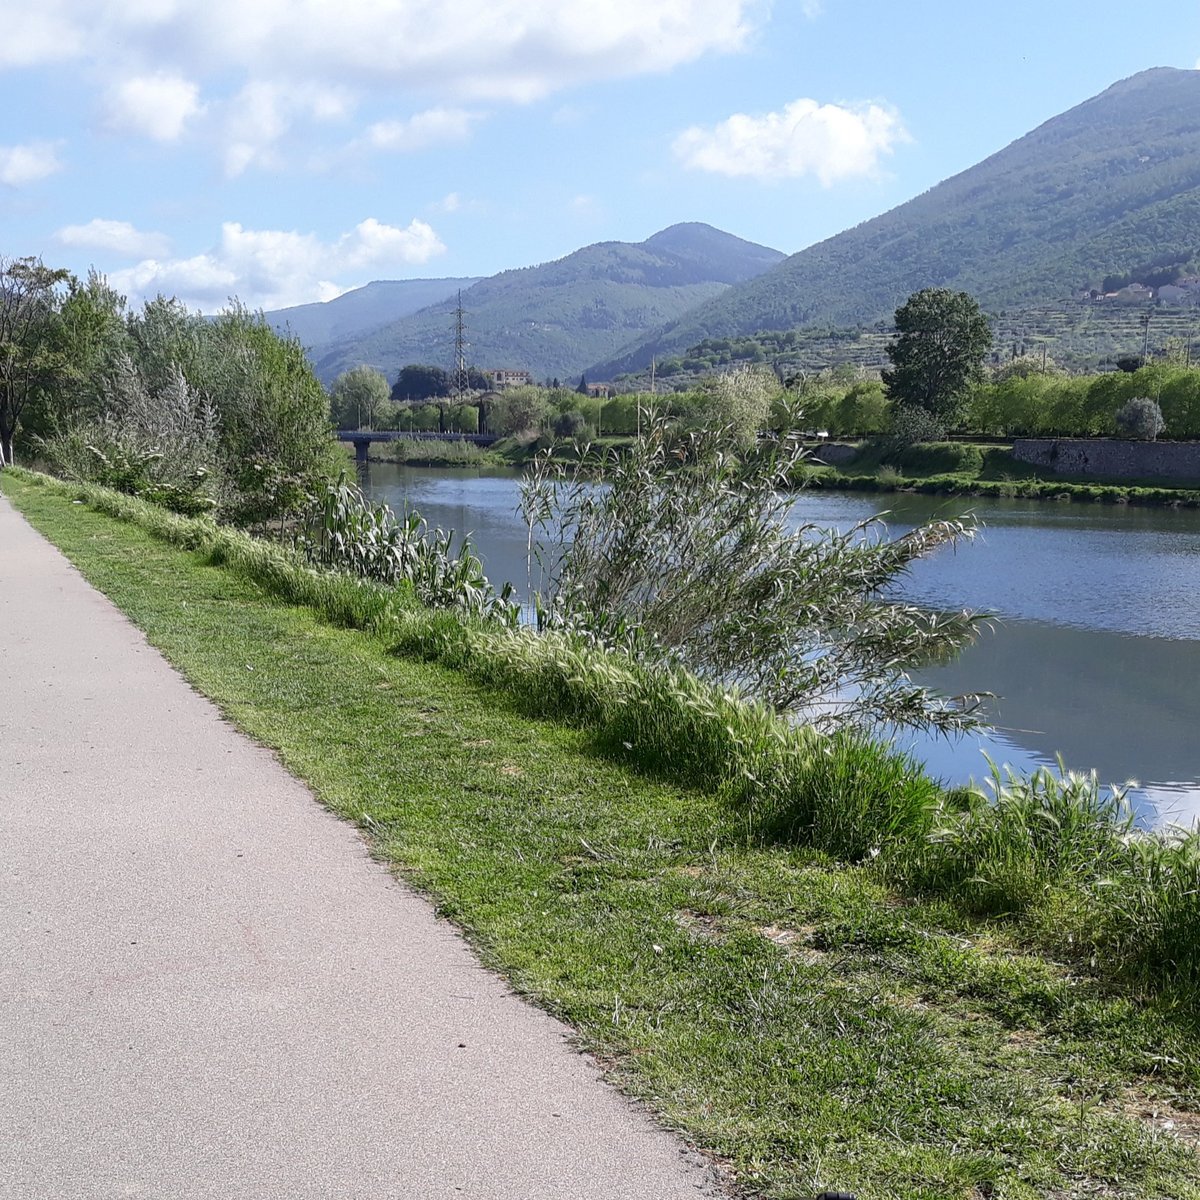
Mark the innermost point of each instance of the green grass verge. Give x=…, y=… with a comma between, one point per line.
x=791, y=1014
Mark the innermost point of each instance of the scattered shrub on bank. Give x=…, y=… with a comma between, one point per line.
x=435, y=454
x=939, y=458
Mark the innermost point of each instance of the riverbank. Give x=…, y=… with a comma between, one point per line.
x=986, y=469
x=940, y=469
x=799, y=1016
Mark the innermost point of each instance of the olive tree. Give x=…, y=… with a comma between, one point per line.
x=1141, y=418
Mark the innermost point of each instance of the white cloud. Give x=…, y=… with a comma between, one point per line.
x=831, y=141
x=812, y=9
x=263, y=113
x=429, y=128
x=28, y=163
x=270, y=268
x=493, y=49
x=156, y=106
x=39, y=33
x=118, y=237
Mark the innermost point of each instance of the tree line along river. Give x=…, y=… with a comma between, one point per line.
x=1094, y=652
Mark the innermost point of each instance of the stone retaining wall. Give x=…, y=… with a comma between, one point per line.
x=1112, y=458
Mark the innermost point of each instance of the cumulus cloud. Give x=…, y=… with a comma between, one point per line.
x=270, y=268
x=429, y=128
x=261, y=114
x=117, y=237
x=834, y=142
x=156, y=106
x=24, y=164
x=490, y=49
x=35, y=34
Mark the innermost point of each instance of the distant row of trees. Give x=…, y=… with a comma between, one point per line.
x=193, y=412
x=937, y=384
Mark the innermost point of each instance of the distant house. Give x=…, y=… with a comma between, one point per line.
x=602, y=390
x=503, y=378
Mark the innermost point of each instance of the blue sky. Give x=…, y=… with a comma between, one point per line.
x=286, y=150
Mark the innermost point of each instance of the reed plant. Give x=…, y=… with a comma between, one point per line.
x=343, y=531
x=680, y=553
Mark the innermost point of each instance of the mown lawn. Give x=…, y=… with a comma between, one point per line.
x=791, y=1017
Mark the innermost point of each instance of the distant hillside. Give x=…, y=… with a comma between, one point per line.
x=1110, y=187
x=363, y=309
x=556, y=318
x=1077, y=335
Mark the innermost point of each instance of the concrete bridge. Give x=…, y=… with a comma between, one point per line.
x=361, y=439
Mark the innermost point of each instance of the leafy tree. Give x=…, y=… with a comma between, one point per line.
x=1140, y=418
x=357, y=398
x=418, y=382
x=942, y=338
x=517, y=410
x=273, y=413
x=582, y=389
x=30, y=361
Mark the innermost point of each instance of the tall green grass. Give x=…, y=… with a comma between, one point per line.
x=1053, y=855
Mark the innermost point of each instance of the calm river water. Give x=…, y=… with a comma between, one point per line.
x=1095, y=653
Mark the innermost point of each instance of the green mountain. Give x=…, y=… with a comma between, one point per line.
x=556, y=318
x=361, y=310
x=1109, y=188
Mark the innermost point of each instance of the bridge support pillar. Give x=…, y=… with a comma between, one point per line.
x=360, y=453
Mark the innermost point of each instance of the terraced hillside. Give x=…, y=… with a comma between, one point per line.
x=1076, y=335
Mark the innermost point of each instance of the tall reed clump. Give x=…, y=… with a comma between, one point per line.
x=1007, y=846
x=686, y=559
x=343, y=531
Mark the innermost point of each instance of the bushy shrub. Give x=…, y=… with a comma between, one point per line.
x=939, y=458
x=912, y=424
x=570, y=425
x=1141, y=418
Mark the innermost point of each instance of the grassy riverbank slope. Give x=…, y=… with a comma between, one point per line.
x=805, y=1023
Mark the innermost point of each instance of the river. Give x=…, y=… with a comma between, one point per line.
x=1094, y=653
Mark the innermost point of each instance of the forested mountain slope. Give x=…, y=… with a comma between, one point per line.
x=362, y=310
x=556, y=318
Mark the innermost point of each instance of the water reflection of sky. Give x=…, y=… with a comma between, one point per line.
x=1095, y=652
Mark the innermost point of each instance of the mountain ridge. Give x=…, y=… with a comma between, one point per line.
x=554, y=318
